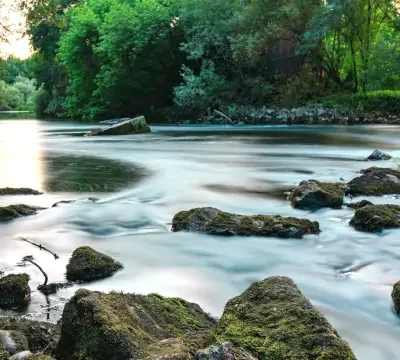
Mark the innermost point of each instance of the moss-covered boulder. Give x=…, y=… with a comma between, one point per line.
x=123, y=326
x=375, y=218
x=359, y=204
x=313, y=194
x=375, y=182
x=14, y=290
x=87, y=264
x=396, y=297
x=378, y=155
x=131, y=126
x=273, y=320
x=13, y=341
x=18, y=191
x=42, y=336
x=15, y=211
x=216, y=222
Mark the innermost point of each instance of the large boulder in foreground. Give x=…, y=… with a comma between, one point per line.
x=216, y=222
x=14, y=290
x=15, y=211
x=119, y=326
x=131, y=126
x=273, y=320
x=375, y=218
x=87, y=264
x=378, y=155
x=18, y=191
x=375, y=182
x=396, y=297
x=42, y=336
x=313, y=194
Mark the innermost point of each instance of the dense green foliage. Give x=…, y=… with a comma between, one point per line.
x=109, y=58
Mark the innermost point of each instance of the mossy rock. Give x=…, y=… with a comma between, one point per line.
x=18, y=191
x=375, y=218
x=4, y=355
x=15, y=211
x=313, y=194
x=131, y=126
x=42, y=336
x=216, y=222
x=396, y=297
x=223, y=351
x=272, y=319
x=359, y=204
x=375, y=182
x=14, y=290
x=87, y=264
x=13, y=341
x=119, y=326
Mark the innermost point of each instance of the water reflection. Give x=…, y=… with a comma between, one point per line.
x=20, y=154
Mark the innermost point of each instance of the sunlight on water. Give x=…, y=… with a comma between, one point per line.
x=20, y=154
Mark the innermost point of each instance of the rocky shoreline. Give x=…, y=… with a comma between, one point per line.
x=272, y=319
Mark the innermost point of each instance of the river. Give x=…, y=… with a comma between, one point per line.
x=142, y=181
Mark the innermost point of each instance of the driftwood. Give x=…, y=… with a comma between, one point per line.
x=40, y=247
x=30, y=259
x=224, y=116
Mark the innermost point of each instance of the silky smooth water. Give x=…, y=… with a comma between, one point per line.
x=142, y=181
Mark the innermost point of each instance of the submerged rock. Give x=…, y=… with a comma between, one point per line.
x=18, y=191
x=375, y=218
x=42, y=336
x=273, y=320
x=66, y=202
x=52, y=288
x=87, y=264
x=217, y=222
x=396, y=297
x=119, y=326
x=375, y=182
x=359, y=204
x=14, y=290
x=131, y=126
x=15, y=211
x=313, y=194
x=13, y=341
x=223, y=351
x=379, y=155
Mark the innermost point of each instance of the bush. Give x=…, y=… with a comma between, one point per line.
x=383, y=100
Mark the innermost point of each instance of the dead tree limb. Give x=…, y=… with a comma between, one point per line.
x=30, y=260
x=40, y=247
x=224, y=116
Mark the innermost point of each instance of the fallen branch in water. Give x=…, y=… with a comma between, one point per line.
x=224, y=116
x=30, y=259
x=40, y=247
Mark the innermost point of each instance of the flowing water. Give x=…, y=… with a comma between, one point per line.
x=142, y=181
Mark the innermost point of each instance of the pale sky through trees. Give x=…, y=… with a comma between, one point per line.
x=17, y=44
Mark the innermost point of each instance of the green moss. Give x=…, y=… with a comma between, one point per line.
x=87, y=264
x=375, y=218
x=273, y=320
x=313, y=194
x=375, y=182
x=14, y=290
x=18, y=191
x=13, y=341
x=396, y=297
x=43, y=357
x=15, y=211
x=217, y=222
x=4, y=355
x=121, y=326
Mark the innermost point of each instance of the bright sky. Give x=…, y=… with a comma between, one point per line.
x=17, y=44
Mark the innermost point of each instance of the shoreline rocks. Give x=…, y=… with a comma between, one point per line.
x=216, y=222
x=375, y=181
x=87, y=264
x=313, y=194
x=375, y=218
x=14, y=290
x=12, y=212
x=131, y=126
x=273, y=320
x=378, y=155
x=124, y=326
x=18, y=191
